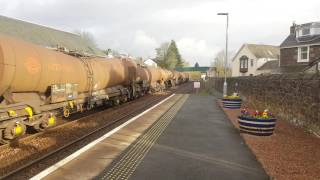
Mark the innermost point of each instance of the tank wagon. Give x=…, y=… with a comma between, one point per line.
x=37, y=84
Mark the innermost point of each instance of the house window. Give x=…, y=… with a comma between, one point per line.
x=251, y=62
x=244, y=64
x=305, y=31
x=303, y=54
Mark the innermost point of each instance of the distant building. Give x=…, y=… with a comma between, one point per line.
x=301, y=48
x=250, y=57
x=150, y=62
x=202, y=69
x=45, y=36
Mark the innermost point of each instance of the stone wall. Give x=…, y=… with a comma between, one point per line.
x=295, y=98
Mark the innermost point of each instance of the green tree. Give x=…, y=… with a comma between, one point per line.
x=173, y=53
x=168, y=56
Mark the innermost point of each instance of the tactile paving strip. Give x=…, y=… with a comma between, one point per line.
x=129, y=161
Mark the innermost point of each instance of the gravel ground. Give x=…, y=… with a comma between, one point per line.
x=290, y=153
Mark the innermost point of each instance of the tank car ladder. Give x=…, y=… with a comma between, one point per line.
x=89, y=70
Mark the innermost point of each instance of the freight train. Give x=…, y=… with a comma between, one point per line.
x=37, y=84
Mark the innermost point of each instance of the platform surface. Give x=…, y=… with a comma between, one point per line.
x=199, y=143
x=93, y=161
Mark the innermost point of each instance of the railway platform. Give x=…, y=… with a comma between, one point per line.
x=184, y=137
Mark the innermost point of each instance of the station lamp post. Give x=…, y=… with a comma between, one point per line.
x=226, y=56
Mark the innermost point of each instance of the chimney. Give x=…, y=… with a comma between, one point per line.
x=293, y=28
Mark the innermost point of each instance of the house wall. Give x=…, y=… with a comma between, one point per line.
x=289, y=56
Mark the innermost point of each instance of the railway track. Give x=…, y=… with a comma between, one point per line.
x=108, y=119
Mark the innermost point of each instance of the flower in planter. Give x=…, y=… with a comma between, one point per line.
x=257, y=123
x=256, y=114
x=265, y=114
x=245, y=112
x=233, y=96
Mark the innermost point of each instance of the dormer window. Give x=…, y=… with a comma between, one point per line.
x=305, y=31
x=303, y=54
x=309, y=29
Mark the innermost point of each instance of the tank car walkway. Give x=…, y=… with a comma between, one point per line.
x=188, y=137
x=199, y=143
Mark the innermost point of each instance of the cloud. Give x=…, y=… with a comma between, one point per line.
x=196, y=50
x=139, y=26
x=143, y=42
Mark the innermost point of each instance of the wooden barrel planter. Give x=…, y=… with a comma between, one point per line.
x=232, y=103
x=257, y=126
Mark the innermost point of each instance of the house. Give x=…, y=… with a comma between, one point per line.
x=202, y=69
x=46, y=36
x=150, y=62
x=250, y=57
x=301, y=48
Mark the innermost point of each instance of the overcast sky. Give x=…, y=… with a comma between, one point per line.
x=139, y=26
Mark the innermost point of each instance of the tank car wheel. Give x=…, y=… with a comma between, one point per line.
x=47, y=121
x=124, y=99
x=116, y=102
x=12, y=131
x=66, y=112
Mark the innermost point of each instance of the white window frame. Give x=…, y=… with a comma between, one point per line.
x=299, y=54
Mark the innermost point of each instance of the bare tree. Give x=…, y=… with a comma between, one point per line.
x=87, y=37
x=219, y=62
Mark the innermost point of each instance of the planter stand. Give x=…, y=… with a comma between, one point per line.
x=231, y=103
x=257, y=126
